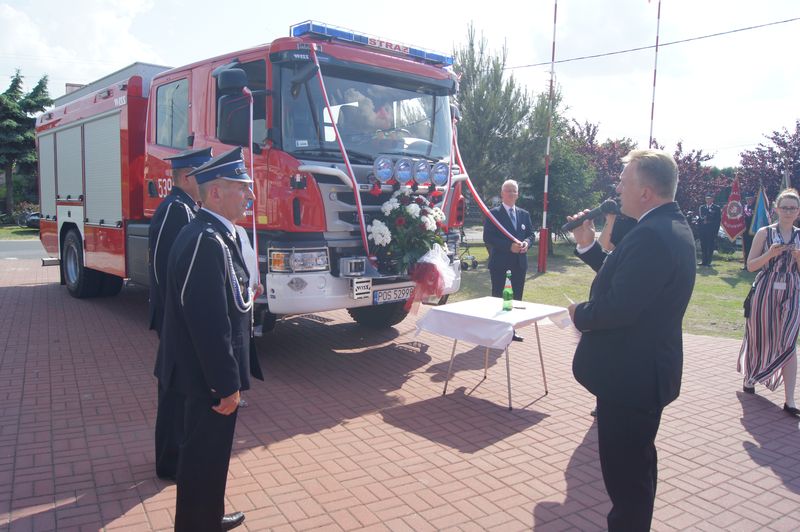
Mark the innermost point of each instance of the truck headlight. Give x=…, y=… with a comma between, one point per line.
x=285, y=261
x=310, y=261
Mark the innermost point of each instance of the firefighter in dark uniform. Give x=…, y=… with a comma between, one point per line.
x=710, y=218
x=206, y=338
x=177, y=210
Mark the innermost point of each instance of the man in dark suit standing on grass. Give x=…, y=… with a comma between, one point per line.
x=630, y=355
x=506, y=254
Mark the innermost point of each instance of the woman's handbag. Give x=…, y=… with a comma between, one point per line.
x=748, y=301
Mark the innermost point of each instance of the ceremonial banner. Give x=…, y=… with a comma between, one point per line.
x=733, y=214
x=760, y=211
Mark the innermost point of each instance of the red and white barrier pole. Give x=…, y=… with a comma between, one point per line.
x=655, y=71
x=544, y=233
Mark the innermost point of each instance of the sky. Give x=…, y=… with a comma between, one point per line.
x=722, y=94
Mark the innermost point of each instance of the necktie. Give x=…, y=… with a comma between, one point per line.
x=513, y=215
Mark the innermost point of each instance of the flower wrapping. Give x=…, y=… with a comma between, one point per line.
x=432, y=275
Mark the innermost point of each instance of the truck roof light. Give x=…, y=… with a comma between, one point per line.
x=342, y=34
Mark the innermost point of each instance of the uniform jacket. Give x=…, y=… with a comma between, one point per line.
x=207, y=331
x=711, y=215
x=172, y=214
x=500, y=255
x=631, y=347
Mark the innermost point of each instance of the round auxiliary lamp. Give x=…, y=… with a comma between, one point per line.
x=405, y=170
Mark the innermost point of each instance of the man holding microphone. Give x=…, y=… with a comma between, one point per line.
x=630, y=354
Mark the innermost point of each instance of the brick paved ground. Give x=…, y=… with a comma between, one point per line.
x=350, y=430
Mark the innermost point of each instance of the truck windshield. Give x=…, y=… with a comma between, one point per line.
x=375, y=114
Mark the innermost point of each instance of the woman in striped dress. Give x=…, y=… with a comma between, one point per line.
x=768, y=354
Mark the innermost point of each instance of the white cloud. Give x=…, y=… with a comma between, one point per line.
x=76, y=41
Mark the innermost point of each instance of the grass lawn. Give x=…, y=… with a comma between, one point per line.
x=15, y=232
x=715, y=308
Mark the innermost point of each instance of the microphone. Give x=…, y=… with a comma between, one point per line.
x=609, y=206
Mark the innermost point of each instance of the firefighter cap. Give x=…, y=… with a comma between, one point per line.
x=190, y=158
x=229, y=165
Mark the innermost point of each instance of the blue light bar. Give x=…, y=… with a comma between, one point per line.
x=334, y=32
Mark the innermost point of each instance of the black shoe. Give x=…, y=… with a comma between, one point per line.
x=230, y=521
x=749, y=389
x=593, y=413
x=791, y=410
x=518, y=338
x=166, y=478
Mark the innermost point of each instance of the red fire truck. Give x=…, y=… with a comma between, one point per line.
x=326, y=104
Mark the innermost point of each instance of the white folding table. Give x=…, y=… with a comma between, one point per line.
x=482, y=322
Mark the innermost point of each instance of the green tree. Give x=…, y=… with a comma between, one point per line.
x=493, y=110
x=17, y=129
x=695, y=180
x=769, y=162
x=571, y=175
x=605, y=157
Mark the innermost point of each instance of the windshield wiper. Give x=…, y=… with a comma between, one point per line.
x=360, y=156
x=413, y=154
x=353, y=155
x=316, y=152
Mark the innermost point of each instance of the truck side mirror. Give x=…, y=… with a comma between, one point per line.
x=303, y=75
x=231, y=80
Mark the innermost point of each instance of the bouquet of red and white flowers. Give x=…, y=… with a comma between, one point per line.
x=407, y=229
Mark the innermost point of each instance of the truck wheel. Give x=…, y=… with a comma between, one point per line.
x=268, y=322
x=111, y=285
x=379, y=316
x=81, y=282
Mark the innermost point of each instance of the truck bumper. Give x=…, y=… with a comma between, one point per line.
x=302, y=293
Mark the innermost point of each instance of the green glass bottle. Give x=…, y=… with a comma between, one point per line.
x=508, y=292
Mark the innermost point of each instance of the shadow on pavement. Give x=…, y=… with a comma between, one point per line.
x=471, y=360
x=461, y=422
x=775, y=434
x=585, y=503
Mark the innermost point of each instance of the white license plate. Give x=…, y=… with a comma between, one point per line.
x=391, y=295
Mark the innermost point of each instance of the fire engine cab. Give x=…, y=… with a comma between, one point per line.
x=314, y=112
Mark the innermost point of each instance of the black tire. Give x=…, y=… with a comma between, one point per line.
x=474, y=264
x=81, y=281
x=464, y=265
x=379, y=316
x=111, y=285
x=268, y=322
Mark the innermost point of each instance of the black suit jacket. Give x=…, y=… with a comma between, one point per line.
x=499, y=246
x=206, y=337
x=171, y=216
x=631, y=349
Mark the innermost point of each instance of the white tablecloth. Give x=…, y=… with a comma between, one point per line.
x=483, y=321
